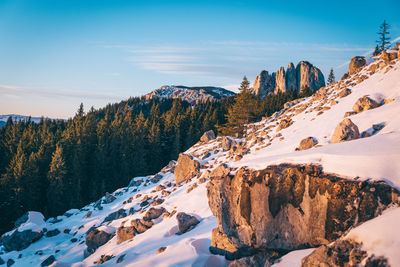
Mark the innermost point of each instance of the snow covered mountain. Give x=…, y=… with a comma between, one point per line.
x=190, y=94
x=317, y=182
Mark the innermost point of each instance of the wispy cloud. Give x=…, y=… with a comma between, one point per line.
x=19, y=91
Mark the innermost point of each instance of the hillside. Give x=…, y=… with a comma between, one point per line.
x=190, y=94
x=269, y=198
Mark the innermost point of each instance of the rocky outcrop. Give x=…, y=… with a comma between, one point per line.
x=288, y=207
x=48, y=261
x=19, y=240
x=207, y=136
x=264, y=84
x=342, y=253
x=137, y=226
x=364, y=103
x=186, y=222
x=304, y=75
x=186, y=168
x=356, y=64
x=307, y=143
x=345, y=131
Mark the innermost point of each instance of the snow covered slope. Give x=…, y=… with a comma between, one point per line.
x=190, y=94
x=271, y=141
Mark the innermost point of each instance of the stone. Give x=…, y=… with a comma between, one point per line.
x=186, y=168
x=48, y=261
x=356, y=64
x=21, y=220
x=309, y=76
x=121, y=258
x=96, y=238
x=345, y=76
x=141, y=226
x=344, y=92
x=364, y=103
x=307, y=143
x=20, y=240
x=10, y=262
x=186, y=222
x=52, y=233
x=161, y=250
x=345, y=131
x=261, y=259
x=121, y=213
x=288, y=207
x=264, y=84
x=207, y=136
x=108, y=198
x=349, y=113
x=153, y=213
x=389, y=55
x=104, y=258
x=226, y=143
x=219, y=172
x=284, y=123
x=2, y=261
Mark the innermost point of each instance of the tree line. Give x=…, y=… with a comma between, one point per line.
x=56, y=165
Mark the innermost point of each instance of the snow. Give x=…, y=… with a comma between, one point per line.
x=380, y=236
x=373, y=157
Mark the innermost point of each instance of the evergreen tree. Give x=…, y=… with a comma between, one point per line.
x=384, y=37
x=376, y=51
x=331, y=77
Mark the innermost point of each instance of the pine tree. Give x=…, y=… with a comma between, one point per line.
x=384, y=37
x=331, y=77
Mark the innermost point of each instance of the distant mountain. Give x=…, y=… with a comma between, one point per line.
x=17, y=118
x=190, y=94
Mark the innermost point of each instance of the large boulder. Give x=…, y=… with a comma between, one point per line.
x=186, y=168
x=121, y=213
x=345, y=131
x=153, y=213
x=226, y=143
x=364, y=103
x=98, y=237
x=186, y=222
x=307, y=143
x=288, y=207
x=309, y=76
x=207, y=136
x=356, y=64
x=137, y=226
x=20, y=239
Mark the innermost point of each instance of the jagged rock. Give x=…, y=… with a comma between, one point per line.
x=121, y=213
x=307, y=143
x=207, y=136
x=284, y=124
x=135, y=182
x=161, y=250
x=280, y=81
x=343, y=253
x=226, y=143
x=291, y=78
x=356, y=64
x=156, y=178
x=186, y=222
x=344, y=92
x=19, y=240
x=52, y=233
x=186, y=168
x=287, y=207
x=48, y=261
x=389, y=55
x=261, y=259
x=170, y=167
x=345, y=131
x=264, y=84
x=219, y=172
x=308, y=76
x=121, y=258
x=141, y=226
x=104, y=258
x=137, y=226
x=153, y=213
x=108, y=198
x=364, y=103
x=96, y=238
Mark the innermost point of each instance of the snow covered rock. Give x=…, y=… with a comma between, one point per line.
x=364, y=103
x=48, y=261
x=290, y=207
x=186, y=168
x=345, y=131
x=98, y=237
x=356, y=64
x=207, y=136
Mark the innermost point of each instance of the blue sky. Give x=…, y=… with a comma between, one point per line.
x=57, y=54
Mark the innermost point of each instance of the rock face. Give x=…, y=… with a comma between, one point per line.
x=356, y=64
x=186, y=222
x=342, y=253
x=292, y=79
x=19, y=240
x=307, y=143
x=207, y=136
x=364, y=103
x=289, y=207
x=345, y=131
x=264, y=84
x=186, y=168
x=138, y=226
